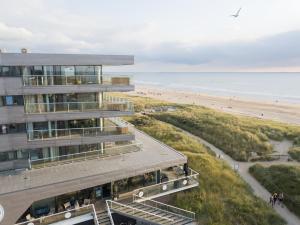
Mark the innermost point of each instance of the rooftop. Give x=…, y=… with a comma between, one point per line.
x=154, y=156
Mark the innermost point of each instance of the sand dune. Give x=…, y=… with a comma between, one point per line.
x=279, y=111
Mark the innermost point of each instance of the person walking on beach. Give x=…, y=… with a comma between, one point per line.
x=271, y=200
x=280, y=199
x=275, y=197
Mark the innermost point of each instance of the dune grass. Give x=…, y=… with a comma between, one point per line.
x=294, y=152
x=222, y=197
x=281, y=178
x=238, y=136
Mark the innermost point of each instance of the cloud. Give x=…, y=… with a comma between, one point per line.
x=277, y=50
x=10, y=33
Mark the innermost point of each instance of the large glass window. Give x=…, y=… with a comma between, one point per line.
x=85, y=70
x=68, y=70
x=11, y=100
x=10, y=71
x=38, y=70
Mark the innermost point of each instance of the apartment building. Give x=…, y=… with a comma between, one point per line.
x=66, y=157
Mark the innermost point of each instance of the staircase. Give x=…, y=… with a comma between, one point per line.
x=150, y=214
x=176, y=218
x=103, y=218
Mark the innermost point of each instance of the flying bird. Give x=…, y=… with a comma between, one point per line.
x=237, y=13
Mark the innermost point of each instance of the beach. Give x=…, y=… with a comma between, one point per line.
x=277, y=110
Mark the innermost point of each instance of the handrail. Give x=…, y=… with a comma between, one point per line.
x=95, y=215
x=168, y=206
x=49, y=158
x=140, y=210
x=41, y=219
x=69, y=132
x=108, y=103
x=76, y=128
x=158, y=141
x=123, y=100
x=78, y=79
x=193, y=176
x=109, y=214
x=74, y=155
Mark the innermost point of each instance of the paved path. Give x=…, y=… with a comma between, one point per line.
x=259, y=190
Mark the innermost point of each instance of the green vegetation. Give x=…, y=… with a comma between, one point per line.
x=295, y=153
x=222, y=198
x=238, y=136
x=281, y=178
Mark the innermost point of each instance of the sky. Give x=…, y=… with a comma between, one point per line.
x=163, y=35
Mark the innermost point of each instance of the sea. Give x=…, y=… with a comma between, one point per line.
x=277, y=87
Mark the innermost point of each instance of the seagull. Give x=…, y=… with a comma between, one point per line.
x=237, y=13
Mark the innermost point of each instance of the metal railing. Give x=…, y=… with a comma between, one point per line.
x=109, y=214
x=61, y=216
x=75, y=132
x=129, y=210
x=171, y=186
x=83, y=156
x=165, y=207
x=123, y=106
x=49, y=80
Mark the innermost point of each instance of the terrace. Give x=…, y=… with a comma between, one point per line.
x=84, y=156
x=108, y=104
x=50, y=80
x=78, y=215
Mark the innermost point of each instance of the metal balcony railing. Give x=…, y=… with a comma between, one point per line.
x=139, y=213
x=65, y=215
x=50, y=80
x=75, y=132
x=123, y=106
x=83, y=156
x=165, y=207
x=168, y=187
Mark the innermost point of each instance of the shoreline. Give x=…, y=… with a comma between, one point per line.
x=277, y=111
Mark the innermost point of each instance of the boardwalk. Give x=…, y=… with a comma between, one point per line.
x=259, y=190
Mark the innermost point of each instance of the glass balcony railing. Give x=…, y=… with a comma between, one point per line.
x=171, y=186
x=123, y=106
x=65, y=216
x=49, y=80
x=76, y=132
x=83, y=156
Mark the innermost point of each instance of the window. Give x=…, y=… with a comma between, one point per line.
x=11, y=100
x=68, y=70
x=38, y=70
x=85, y=70
x=4, y=71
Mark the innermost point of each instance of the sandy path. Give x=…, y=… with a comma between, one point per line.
x=288, y=113
x=258, y=189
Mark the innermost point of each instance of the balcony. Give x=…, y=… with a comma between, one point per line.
x=76, y=132
x=85, y=214
x=182, y=182
x=83, y=156
x=51, y=80
x=109, y=104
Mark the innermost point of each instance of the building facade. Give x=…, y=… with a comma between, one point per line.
x=66, y=157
